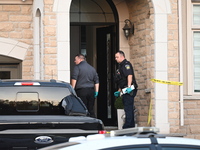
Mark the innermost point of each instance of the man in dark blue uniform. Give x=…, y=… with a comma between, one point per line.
x=85, y=81
x=127, y=85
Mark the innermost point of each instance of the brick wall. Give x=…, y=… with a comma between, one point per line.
x=16, y=23
x=50, y=41
x=142, y=55
x=191, y=119
x=142, y=58
x=173, y=68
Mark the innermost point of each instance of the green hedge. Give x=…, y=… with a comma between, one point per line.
x=119, y=103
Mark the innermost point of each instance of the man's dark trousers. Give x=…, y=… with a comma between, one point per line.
x=128, y=101
x=87, y=96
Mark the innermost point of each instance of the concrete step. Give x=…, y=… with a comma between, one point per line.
x=109, y=128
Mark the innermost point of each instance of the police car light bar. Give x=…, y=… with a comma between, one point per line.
x=134, y=131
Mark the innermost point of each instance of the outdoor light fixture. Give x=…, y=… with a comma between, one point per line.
x=128, y=28
x=23, y=0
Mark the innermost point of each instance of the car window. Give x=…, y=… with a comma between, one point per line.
x=32, y=100
x=27, y=102
x=180, y=148
x=148, y=148
x=135, y=148
x=129, y=148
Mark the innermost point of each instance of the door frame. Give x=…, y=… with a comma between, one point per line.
x=106, y=49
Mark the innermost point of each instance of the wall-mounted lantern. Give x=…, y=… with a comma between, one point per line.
x=128, y=28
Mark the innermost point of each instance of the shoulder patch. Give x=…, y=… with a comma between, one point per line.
x=127, y=67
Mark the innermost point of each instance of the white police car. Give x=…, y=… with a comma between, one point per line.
x=141, y=138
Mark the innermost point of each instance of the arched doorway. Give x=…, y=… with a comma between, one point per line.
x=161, y=11
x=94, y=33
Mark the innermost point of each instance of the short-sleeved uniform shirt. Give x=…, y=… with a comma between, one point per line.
x=125, y=69
x=85, y=75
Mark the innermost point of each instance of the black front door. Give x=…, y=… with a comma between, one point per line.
x=106, y=47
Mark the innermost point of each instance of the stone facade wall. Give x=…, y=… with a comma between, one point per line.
x=142, y=55
x=142, y=58
x=50, y=41
x=173, y=68
x=191, y=119
x=16, y=23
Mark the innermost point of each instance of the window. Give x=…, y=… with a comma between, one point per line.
x=193, y=48
x=196, y=46
x=91, y=11
x=4, y=74
x=128, y=148
x=27, y=102
x=181, y=148
x=32, y=100
x=196, y=61
x=196, y=14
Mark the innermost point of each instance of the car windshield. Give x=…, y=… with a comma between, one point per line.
x=148, y=148
x=134, y=148
x=32, y=100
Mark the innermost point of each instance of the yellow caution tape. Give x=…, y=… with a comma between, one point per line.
x=149, y=115
x=162, y=82
x=167, y=82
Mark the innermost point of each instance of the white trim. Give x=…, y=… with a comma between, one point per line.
x=38, y=43
x=123, y=13
x=62, y=8
x=181, y=61
x=161, y=10
x=193, y=97
x=13, y=48
x=162, y=7
x=189, y=52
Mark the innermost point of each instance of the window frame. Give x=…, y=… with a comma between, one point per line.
x=191, y=28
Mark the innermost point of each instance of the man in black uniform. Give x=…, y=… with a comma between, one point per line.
x=126, y=82
x=85, y=81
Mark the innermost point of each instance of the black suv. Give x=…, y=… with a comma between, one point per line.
x=35, y=114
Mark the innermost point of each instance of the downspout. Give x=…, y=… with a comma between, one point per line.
x=36, y=44
x=181, y=62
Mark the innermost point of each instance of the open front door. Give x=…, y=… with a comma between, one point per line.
x=106, y=42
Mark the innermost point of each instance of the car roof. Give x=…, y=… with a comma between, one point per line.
x=100, y=141
x=44, y=83
x=120, y=138
x=108, y=142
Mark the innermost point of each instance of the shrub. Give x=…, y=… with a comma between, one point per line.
x=118, y=103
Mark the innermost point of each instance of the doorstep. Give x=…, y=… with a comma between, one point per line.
x=109, y=128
